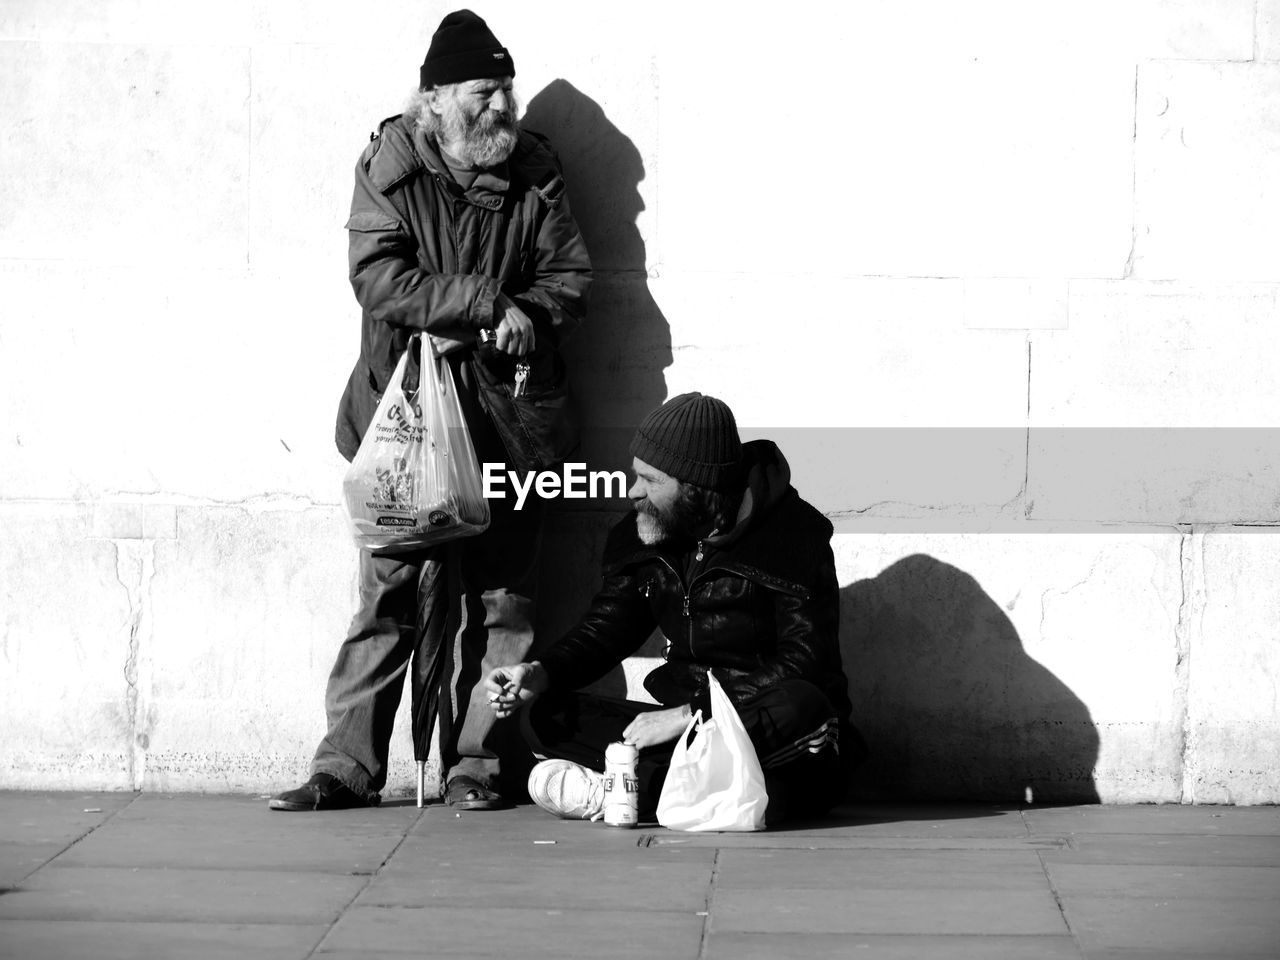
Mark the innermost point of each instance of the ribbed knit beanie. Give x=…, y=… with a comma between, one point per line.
x=693, y=438
x=464, y=48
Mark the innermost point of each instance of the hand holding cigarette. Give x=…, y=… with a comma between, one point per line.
x=513, y=686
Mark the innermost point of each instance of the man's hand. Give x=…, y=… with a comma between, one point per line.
x=657, y=726
x=513, y=328
x=513, y=686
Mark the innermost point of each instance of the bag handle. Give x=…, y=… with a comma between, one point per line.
x=682, y=744
x=406, y=358
x=425, y=344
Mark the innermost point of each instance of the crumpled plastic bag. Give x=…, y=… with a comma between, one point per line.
x=415, y=481
x=715, y=782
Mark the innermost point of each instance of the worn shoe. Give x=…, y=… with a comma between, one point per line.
x=322, y=792
x=467, y=793
x=567, y=790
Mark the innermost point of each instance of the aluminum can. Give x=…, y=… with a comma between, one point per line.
x=620, y=785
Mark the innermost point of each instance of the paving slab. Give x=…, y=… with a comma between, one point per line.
x=447, y=837
x=523, y=824
x=19, y=860
x=582, y=888
x=524, y=858
x=626, y=884
x=843, y=946
x=1201, y=927
x=1165, y=881
x=1228, y=851
x=777, y=841
x=923, y=821
x=127, y=940
x=237, y=832
x=933, y=912
x=35, y=827
x=169, y=894
x=879, y=869
x=880, y=826
x=1155, y=818
x=423, y=854
x=45, y=817
x=222, y=876
x=503, y=933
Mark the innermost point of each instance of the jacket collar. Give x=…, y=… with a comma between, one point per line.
x=488, y=189
x=771, y=543
x=404, y=151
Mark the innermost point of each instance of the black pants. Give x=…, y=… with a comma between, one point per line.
x=792, y=725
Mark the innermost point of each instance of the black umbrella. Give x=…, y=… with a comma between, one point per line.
x=432, y=665
x=439, y=583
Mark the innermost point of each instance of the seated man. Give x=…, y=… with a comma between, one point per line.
x=722, y=554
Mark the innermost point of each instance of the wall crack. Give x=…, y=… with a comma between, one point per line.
x=1131, y=260
x=135, y=569
x=1190, y=604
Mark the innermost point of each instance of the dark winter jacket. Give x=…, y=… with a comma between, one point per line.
x=427, y=256
x=758, y=604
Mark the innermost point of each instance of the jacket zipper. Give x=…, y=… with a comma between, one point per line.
x=684, y=606
x=688, y=591
x=688, y=623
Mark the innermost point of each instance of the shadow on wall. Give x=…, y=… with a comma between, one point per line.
x=950, y=703
x=616, y=360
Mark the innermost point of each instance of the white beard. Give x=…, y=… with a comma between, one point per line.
x=473, y=146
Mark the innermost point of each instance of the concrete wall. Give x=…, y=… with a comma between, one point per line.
x=1001, y=280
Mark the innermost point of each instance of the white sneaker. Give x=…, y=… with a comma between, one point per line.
x=566, y=790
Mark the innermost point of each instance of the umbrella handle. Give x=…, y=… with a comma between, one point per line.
x=422, y=779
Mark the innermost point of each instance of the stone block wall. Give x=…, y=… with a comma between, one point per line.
x=1001, y=281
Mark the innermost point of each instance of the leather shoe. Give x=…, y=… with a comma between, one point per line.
x=322, y=792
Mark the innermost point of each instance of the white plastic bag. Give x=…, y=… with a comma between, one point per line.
x=716, y=782
x=415, y=480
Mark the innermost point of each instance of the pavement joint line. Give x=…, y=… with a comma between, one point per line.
x=1060, y=843
x=164, y=921
x=704, y=940
x=368, y=881
x=781, y=842
x=1061, y=904
x=105, y=820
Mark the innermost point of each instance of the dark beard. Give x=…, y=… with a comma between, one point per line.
x=682, y=522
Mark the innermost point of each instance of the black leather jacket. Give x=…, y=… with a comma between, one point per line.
x=758, y=604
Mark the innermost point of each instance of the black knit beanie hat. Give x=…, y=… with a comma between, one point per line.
x=464, y=48
x=692, y=438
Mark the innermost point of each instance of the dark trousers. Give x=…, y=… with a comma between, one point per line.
x=792, y=726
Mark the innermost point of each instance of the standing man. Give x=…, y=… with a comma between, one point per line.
x=459, y=227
